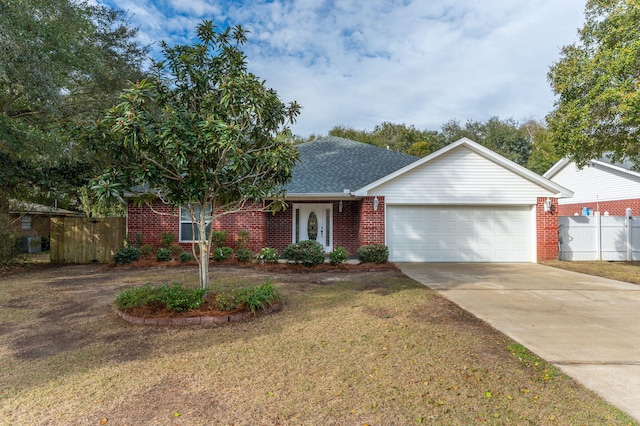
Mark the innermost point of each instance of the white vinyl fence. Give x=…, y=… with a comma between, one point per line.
x=599, y=237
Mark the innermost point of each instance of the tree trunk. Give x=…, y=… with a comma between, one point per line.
x=204, y=246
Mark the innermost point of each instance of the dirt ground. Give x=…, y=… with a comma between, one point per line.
x=88, y=291
x=348, y=348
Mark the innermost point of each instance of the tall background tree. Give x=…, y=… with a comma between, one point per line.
x=62, y=62
x=597, y=80
x=203, y=134
x=515, y=141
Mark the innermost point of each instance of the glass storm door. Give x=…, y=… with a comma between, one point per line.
x=313, y=222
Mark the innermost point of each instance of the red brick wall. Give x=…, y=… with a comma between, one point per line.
x=615, y=208
x=547, y=230
x=150, y=225
x=371, y=227
x=251, y=219
x=279, y=228
x=346, y=225
x=143, y=220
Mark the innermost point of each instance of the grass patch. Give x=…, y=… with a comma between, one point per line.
x=359, y=348
x=621, y=271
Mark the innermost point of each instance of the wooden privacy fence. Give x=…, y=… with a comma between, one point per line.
x=598, y=237
x=86, y=240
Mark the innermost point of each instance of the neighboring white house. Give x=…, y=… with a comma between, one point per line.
x=599, y=186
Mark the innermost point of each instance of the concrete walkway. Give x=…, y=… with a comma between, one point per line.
x=589, y=327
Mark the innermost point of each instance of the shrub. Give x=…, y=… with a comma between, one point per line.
x=244, y=255
x=146, y=249
x=163, y=254
x=259, y=297
x=218, y=238
x=251, y=298
x=222, y=253
x=187, y=256
x=137, y=296
x=308, y=252
x=374, y=253
x=243, y=239
x=174, y=297
x=167, y=238
x=126, y=255
x=268, y=255
x=176, y=250
x=338, y=255
x=177, y=298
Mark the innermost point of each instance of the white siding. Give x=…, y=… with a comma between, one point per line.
x=596, y=183
x=461, y=176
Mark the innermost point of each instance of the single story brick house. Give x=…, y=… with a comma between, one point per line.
x=602, y=185
x=463, y=203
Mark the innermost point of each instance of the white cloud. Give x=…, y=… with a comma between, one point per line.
x=407, y=61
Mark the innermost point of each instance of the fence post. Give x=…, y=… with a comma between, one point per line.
x=627, y=225
x=598, y=235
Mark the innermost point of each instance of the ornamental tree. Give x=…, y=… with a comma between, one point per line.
x=597, y=80
x=203, y=133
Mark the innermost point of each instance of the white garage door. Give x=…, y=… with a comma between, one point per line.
x=459, y=234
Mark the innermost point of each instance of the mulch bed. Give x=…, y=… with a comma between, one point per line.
x=208, y=307
x=280, y=267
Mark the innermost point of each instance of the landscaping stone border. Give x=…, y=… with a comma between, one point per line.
x=219, y=319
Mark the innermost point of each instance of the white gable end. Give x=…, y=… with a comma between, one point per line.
x=460, y=176
x=597, y=183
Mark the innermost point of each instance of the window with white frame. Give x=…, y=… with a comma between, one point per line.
x=188, y=228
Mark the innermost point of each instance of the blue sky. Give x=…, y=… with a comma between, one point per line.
x=358, y=63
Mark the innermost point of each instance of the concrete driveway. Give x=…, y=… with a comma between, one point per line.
x=589, y=327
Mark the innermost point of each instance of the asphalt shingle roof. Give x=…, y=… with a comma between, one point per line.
x=333, y=164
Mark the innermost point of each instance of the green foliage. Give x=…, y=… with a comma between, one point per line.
x=62, y=62
x=243, y=239
x=308, y=252
x=253, y=299
x=146, y=249
x=174, y=297
x=268, y=255
x=505, y=136
x=163, y=254
x=177, y=298
x=544, y=153
x=218, y=238
x=222, y=253
x=187, y=256
x=244, y=255
x=596, y=80
x=374, y=253
x=166, y=239
x=338, y=255
x=126, y=255
x=137, y=297
x=176, y=250
x=201, y=131
x=261, y=297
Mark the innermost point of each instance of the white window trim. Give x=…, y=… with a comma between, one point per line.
x=182, y=221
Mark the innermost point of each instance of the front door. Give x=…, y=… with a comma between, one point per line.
x=313, y=222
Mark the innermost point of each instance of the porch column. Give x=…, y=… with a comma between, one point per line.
x=547, y=230
x=371, y=228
